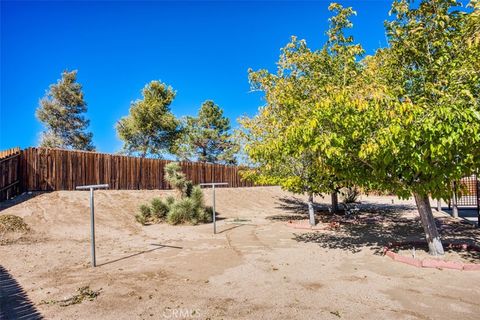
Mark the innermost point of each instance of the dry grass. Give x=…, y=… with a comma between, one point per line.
x=11, y=223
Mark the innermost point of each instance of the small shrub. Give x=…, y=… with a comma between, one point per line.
x=197, y=196
x=181, y=211
x=159, y=209
x=170, y=200
x=205, y=215
x=187, y=190
x=350, y=194
x=141, y=219
x=177, y=179
x=145, y=214
x=188, y=206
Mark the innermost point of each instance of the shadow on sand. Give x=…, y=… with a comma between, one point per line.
x=374, y=227
x=14, y=302
x=158, y=246
x=296, y=209
x=19, y=199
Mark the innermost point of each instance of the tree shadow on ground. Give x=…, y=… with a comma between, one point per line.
x=14, y=302
x=373, y=231
x=297, y=209
x=374, y=226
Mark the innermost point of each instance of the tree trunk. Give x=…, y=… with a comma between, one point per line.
x=454, y=201
x=311, y=212
x=431, y=233
x=334, y=196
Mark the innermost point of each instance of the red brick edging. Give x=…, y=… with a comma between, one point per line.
x=433, y=263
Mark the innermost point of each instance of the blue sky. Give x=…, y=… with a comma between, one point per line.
x=201, y=49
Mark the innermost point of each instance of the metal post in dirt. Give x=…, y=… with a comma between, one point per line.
x=214, y=215
x=92, y=216
x=213, y=184
x=92, y=227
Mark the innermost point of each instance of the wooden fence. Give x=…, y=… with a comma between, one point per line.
x=45, y=169
x=10, y=183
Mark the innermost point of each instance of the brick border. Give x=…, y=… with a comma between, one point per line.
x=433, y=263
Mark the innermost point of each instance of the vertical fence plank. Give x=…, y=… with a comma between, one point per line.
x=10, y=173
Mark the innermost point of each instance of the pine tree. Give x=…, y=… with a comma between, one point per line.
x=61, y=111
x=207, y=137
x=150, y=128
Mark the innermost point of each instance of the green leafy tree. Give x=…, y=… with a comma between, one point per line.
x=412, y=126
x=150, y=128
x=61, y=111
x=405, y=120
x=430, y=133
x=279, y=139
x=207, y=137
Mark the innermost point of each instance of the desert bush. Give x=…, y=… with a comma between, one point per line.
x=177, y=179
x=181, y=211
x=159, y=209
x=197, y=196
x=188, y=207
x=204, y=215
x=145, y=214
x=350, y=194
x=170, y=200
x=189, y=210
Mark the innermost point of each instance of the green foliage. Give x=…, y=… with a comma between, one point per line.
x=413, y=125
x=405, y=120
x=197, y=196
x=145, y=214
x=169, y=200
x=61, y=111
x=286, y=144
x=150, y=128
x=189, y=207
x=182, y=211
x=207, y=137
x=350, y=194
x=159, y=209
x=188, y=210
x=177, y=179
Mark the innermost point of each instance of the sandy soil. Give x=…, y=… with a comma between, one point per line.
x=258, y=268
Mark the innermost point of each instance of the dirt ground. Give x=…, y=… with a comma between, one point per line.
x=256, y=267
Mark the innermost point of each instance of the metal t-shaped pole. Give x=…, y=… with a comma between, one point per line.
x=213, y=184
x=92, y=215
